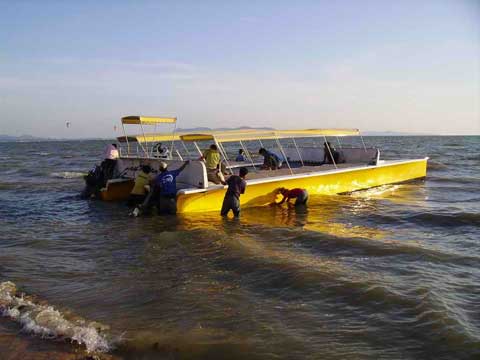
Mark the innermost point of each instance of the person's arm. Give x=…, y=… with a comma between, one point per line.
x=203, y=156
x=283, y=200
x=242, y=187
x=180, y=169
x=225, y=182
x=152, y=181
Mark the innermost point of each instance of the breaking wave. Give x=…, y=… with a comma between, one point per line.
x=45, y=321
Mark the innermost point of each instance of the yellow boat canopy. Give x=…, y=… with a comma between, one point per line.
x=147, y=120
x=266, y=135
x=157, y=137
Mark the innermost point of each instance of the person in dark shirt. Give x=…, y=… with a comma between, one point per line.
x=330, y=155
x=271, y=161
x=301, y=196
x=236, y=187
x=164, y=192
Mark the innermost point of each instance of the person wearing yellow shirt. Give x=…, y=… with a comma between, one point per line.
x=212, y=160
x=139, y=191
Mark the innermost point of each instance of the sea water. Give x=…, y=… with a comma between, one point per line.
x=391, y=272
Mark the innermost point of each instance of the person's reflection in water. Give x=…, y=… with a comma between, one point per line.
x=276, y=216
x=294, y=216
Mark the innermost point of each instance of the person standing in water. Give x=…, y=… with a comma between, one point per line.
x=110, y=156
x=139, y=191
x=164, y=192
x=236, y=187
x=301, y=196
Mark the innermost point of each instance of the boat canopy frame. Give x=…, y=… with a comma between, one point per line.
x=228, y=136
x=240, y=136
x=148, y=120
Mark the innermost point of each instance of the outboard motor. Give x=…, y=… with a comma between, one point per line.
x=94, y=181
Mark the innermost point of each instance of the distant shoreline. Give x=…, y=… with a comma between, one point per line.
x=33, y=139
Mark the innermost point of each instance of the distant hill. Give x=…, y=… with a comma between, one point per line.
x=30, y=138
x=21, y=138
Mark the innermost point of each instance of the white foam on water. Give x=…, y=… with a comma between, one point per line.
x=49, y=323
x=67, y=174
x=376, y=191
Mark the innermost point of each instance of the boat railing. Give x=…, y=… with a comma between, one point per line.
x=316, y=155
x=193, y=176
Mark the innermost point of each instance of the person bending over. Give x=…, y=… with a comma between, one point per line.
x=236, y=187
x=271, y=161
x=139, y=191
x=164, y=192
x=300, y=196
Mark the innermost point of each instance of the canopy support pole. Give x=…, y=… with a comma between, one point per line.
x=178, y=153
x=198, y=149
x=224, y=156
x=145, y=140
x=186, y=149
x=220, y=145
x=248, y=154
x=126, y=139
x=330, y=151
x=284, y=156
x=173, y=137
x=298, y=151
x=363, y=142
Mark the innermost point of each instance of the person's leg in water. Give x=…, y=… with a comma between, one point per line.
x=230, y=202
x=135, y=199
x=235, y=206
x=225, y=206
x=167, y=205
x=150, y=200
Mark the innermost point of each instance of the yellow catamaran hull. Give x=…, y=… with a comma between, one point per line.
x=262, y=192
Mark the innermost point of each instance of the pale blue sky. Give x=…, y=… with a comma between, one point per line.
x=410, y=66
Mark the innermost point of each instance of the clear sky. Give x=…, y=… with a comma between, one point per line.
x=409, y=66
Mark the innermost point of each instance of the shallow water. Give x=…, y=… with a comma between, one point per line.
x=391, y=272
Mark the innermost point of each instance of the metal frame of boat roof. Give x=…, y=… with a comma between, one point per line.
x=224, y=137
x=156, y=137
x=147, y=120
x=230, y=136
x=219, y=137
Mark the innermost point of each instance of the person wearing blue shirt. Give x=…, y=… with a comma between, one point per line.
x=164, y=192
x=241, y=156
x=271, y=161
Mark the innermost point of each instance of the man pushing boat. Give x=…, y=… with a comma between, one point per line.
x=164, y=191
